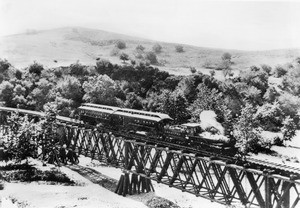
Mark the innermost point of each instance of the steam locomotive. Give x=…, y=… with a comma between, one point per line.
x=152, y=125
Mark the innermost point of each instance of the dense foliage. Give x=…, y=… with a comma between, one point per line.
x=260, y=99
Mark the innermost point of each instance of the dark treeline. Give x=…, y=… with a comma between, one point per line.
x=246, y=105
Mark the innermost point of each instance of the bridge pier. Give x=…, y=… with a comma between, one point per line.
x=138, y=183
x=135, y=184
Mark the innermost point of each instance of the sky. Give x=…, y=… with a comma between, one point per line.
x=244, y=25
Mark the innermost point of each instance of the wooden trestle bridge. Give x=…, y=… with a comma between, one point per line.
x=212, y=178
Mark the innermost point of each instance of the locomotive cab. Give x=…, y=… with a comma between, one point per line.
x=192, y=129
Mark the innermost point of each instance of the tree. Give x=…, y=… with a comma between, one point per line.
x=70, y=88
x=4, y=65
x=179, y=48
x=297, y=60
x=36, y=68
x=157, y=48
x=226, y=56
x=104, y=66
x=266, y=68
x=133, y=101
x=18, y=74
x=246, y=132
x=151, y=57
x=176, y=107
x=269, y=116
x=6, y=93
x=211, y=99
x=280, y=71
x=120, y=44
x=78, y=69
x=41, y=94
x=124, y=57
x=19, y=96
x=187, y=88
x=101, y=90
x=20, y=143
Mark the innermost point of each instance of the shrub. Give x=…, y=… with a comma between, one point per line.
x=115, y=51
x=179, y=48
x=207, y=64
x=151, y=57
x=140, y=48
x=226, y=56
x=157, y=48
x=280, y=71
x=138, y=55
x=193, y=70
x=120, y=44
x=266, y=68
x=225, y=64
x=133, y=62
x=212, y=72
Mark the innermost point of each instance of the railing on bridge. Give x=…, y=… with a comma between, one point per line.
x=215, y=180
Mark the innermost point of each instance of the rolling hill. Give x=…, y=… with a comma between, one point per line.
x=65, y=46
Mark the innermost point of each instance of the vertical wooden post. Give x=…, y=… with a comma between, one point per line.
x=268, y=190
x=285, y=194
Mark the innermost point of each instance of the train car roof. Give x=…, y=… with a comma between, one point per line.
x=150, y=118
x=22, y=111
x=105, y=107
x=96, y=109
x=191, y=124
x=143, y=114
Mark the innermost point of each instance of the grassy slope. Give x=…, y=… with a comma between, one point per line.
x=67, y=45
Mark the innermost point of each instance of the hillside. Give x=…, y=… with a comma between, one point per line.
x=67, y=45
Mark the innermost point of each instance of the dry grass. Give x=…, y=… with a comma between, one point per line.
x=67, y=45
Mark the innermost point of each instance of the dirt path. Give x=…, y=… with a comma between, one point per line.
x=95, y=177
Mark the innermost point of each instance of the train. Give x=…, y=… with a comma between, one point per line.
x=153, y=126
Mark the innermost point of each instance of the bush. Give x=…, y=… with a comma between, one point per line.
x=179, y=48
x=120, y=44
x=226, y=56
x=280, y=71
x=157, y=48
x=193, y=70
x=151, y=57
x=115, y=51
x=140, y=48
x=207, y=64
x=36, y=68
x=266, y=68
